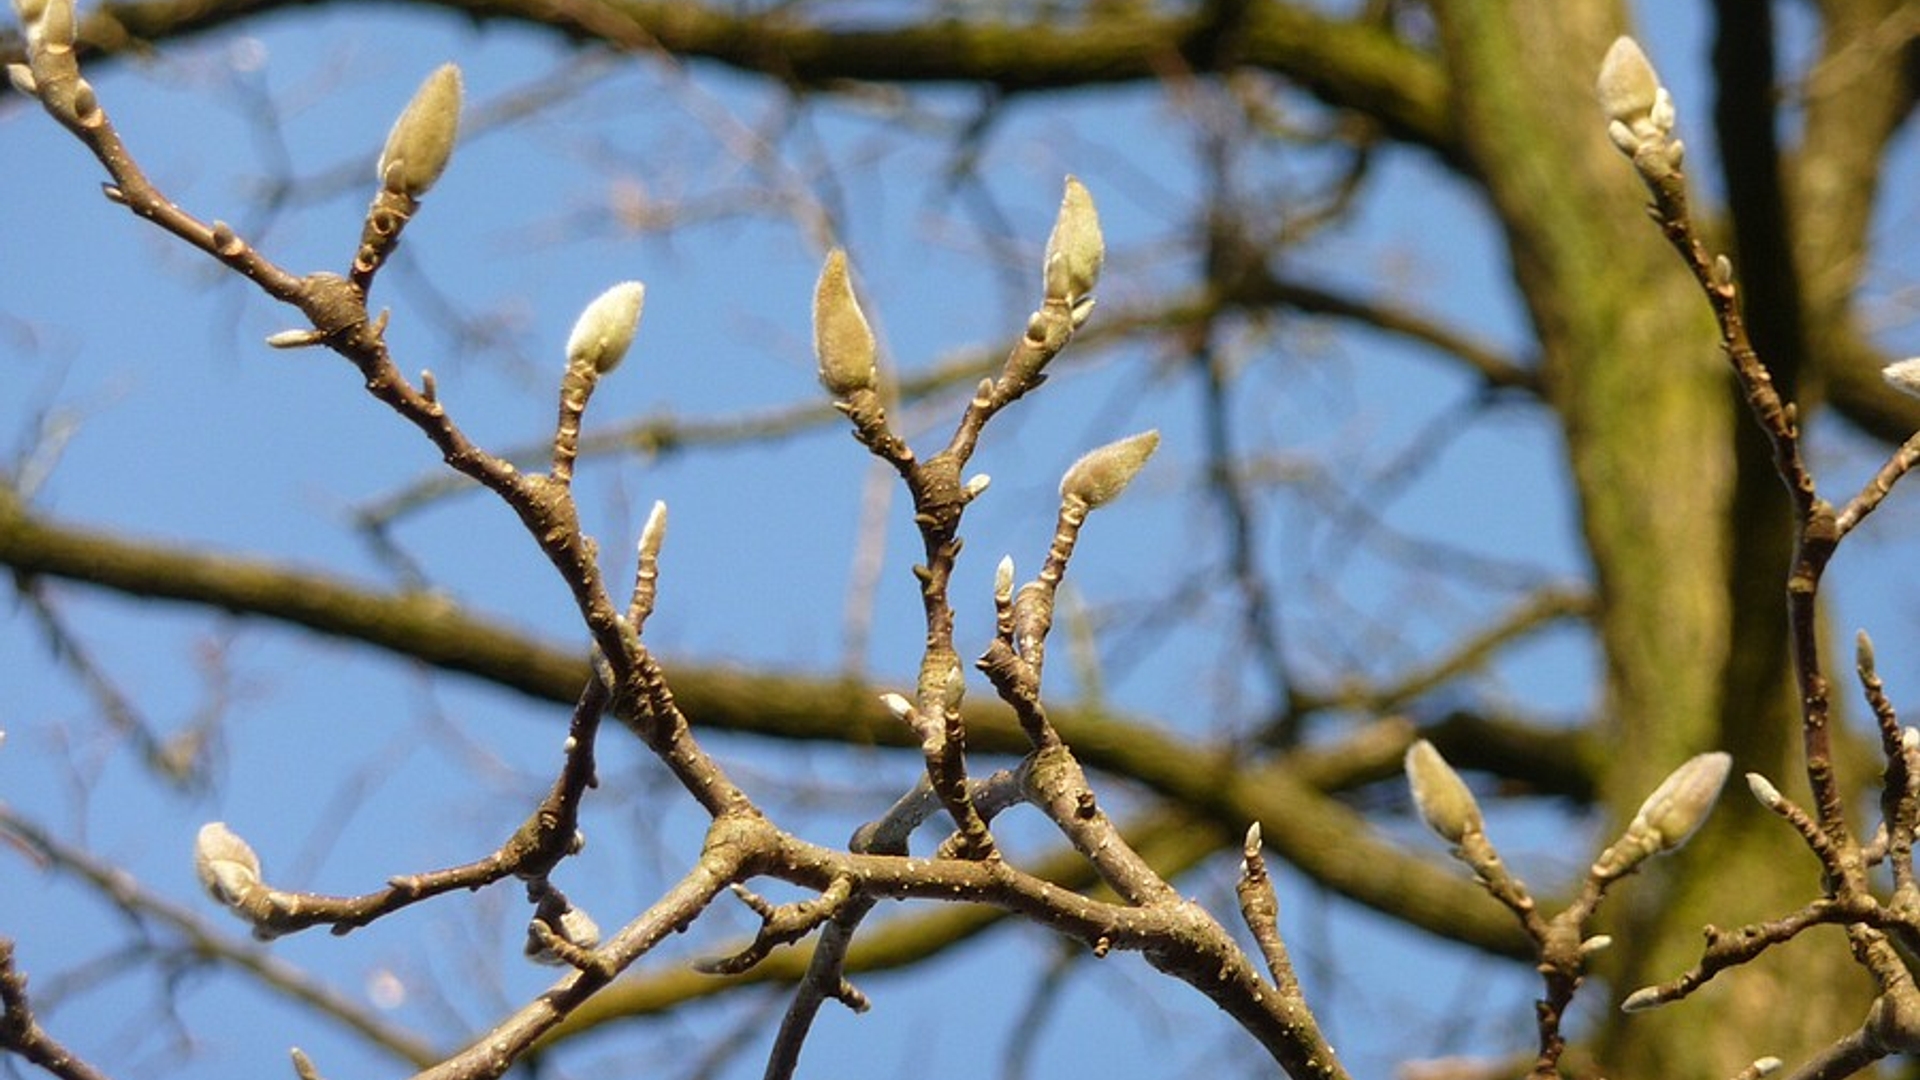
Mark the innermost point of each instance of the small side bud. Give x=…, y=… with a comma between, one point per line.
x=1102, y=474
x=1722, y=272
x=605, y=329
x=225, y=864
x=21, y=76
x=1764, y=792
x=1443, y=799
x=976, y=486
x=422, y=139
x=1598, y=943
x=1003, y=580
x=842, y=341
x=1076, y=249
x=900, y=707
x=1765, y=1066
x=295, y=339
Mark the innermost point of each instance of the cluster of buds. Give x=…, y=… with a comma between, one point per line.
x=1640, y=114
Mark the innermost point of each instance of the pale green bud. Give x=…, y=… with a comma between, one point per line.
x=1679, y=806
x=1443, y=799
x=1076, y=249
x=226, y=866
x=1764, y=792
x=422, y=139
x=1627, y=86
x=1904, y=376
x=1104, y=473
x=1640, y=112
x=842, y=341
x=604, y=331
x=1641, y=1000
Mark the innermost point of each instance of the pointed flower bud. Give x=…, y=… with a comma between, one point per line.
x=654, y=533
x=605, y=329
x=1104, y=473
x=1075, y=250
x=842, y=341
x=48, y=23
x=1444, y=800
x=1640, y=112
x=422, y=139
x=1627, y=86
x=1641, y=1000
x=1678, y=807
x=226, y=866
x=1904, y=376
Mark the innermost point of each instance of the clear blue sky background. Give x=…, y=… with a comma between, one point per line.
x=174, y=422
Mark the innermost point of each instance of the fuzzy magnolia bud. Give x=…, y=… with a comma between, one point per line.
x=605, y=329
x=1444, y=800
x=422, y=139
x=1076, y=249
x=1640, y=112
x=48, y=23
x=227, y=867
x=842, y=341
x=1904, y=376
x=1670, y=816
x=654, y=533
x=1679, y=806
x=1764, y=792
x=1641, y=1000
x=1627, y=87
x=1104, y=473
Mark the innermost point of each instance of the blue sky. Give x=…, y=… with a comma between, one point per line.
x=173, y=422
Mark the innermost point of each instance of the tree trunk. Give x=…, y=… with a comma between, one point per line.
x=1686, y=525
